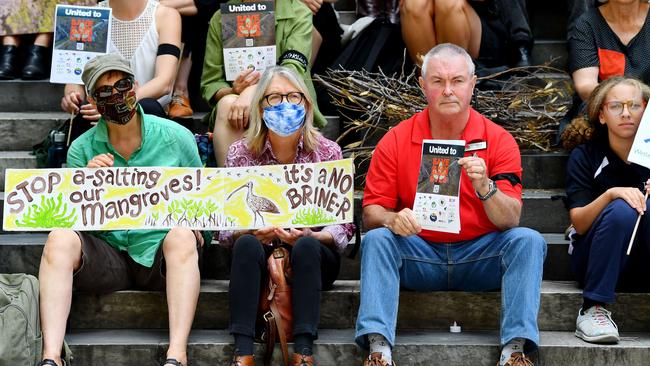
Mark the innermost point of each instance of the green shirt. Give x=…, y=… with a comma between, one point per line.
x=164, y=143
x=293, y=31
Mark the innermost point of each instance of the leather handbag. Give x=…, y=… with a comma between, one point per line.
x=275, y=315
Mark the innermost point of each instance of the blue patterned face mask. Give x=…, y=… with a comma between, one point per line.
x=284, y=118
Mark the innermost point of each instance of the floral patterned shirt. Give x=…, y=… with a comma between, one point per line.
x=239, y=155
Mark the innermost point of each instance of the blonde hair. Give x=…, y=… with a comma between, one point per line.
x=257, y=130
x=597, y=100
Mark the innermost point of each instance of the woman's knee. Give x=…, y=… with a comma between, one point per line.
x=417, y=8
x=247, y=246
x=223, y=108
x=306, y=248
x=181, y=242
x=443, y=7
x=619, y=215
x=62, y=243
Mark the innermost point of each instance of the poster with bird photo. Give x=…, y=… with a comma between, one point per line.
x=248, y=33
x=436, y=204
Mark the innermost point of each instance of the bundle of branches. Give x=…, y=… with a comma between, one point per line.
x=528, y=102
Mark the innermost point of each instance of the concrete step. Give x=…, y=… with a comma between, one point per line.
x=15, y=160
x=21, y=253
x=560, y=301
x=337, y=347
x=22, y=130
x=33, y=96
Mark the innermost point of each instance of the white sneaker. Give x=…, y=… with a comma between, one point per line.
x=596, y=326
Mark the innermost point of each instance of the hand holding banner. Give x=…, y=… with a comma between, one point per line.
x=299, y=195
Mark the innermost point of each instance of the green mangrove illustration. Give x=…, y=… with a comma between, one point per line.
x=312, y=216
x=50, y=213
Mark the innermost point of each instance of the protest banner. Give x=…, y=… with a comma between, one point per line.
x=248, y=33
x=80, y=34
x=437, y=205
x=298, y=195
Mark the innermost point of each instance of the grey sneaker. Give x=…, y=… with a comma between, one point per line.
x=596, y=326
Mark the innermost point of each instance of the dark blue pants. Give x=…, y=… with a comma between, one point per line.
x=599, y=260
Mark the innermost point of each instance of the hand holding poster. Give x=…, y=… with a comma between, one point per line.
x=80, y=34
x=248, y=33
x=299, y=195
x=437, y=204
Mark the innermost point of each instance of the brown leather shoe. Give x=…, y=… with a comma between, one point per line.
x=302, y=360
x=518, y=359
x=376, y=359
x=243, y=361
x=180, y=107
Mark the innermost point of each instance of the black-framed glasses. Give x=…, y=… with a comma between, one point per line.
x=121, y=85
x=274, y=99
x=616, y=107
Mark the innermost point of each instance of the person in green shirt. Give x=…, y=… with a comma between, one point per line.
x=103, y=262
x=231, y=100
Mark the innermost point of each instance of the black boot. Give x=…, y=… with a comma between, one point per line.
x=8, y=62
x=37, y=63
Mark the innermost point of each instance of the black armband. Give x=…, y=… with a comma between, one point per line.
x=510, y=177
x=168, y=49
x=296, y=56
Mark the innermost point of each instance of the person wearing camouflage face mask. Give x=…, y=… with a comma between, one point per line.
x=109, y=261
x=119, y=107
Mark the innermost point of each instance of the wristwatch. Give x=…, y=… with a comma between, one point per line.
x=491, y=191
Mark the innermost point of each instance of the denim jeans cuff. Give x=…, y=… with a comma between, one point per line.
x=362, y=340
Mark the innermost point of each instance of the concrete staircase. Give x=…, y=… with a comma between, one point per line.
x=129, y=327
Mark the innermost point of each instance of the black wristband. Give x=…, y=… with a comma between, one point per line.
x=168, y=49
x=296, y=56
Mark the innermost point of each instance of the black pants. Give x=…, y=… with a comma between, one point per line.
x=315, y=267
x=514, y=16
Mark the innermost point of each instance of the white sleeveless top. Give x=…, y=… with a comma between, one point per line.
x=137, y=41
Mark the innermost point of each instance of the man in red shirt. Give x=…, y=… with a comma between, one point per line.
x=488, y=253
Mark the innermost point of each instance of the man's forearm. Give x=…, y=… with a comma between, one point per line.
x=375, y=216
x=502, y=210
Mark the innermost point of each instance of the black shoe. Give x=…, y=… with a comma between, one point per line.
x=522, y=57
x=37, y=63
x=8, y=62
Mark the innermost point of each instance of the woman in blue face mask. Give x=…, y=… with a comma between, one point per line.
x=281, y=131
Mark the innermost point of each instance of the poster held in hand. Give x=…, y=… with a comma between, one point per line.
x=437, y=205
x=80, y=34
x=248, y=33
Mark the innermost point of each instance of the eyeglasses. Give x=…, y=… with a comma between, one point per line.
x=121, y=85
x=274, y=99
x=633, y=106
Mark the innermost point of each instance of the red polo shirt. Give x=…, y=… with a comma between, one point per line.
x=395, y=165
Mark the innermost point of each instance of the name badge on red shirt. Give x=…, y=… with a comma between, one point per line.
x=476, y=145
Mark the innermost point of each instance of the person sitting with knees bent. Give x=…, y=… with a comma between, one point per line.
x=605, y=197
x=108, y=261
x=281, y=132
x=488, y=253
x=231, y=99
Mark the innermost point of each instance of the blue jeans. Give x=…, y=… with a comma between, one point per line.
x=511, y=260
